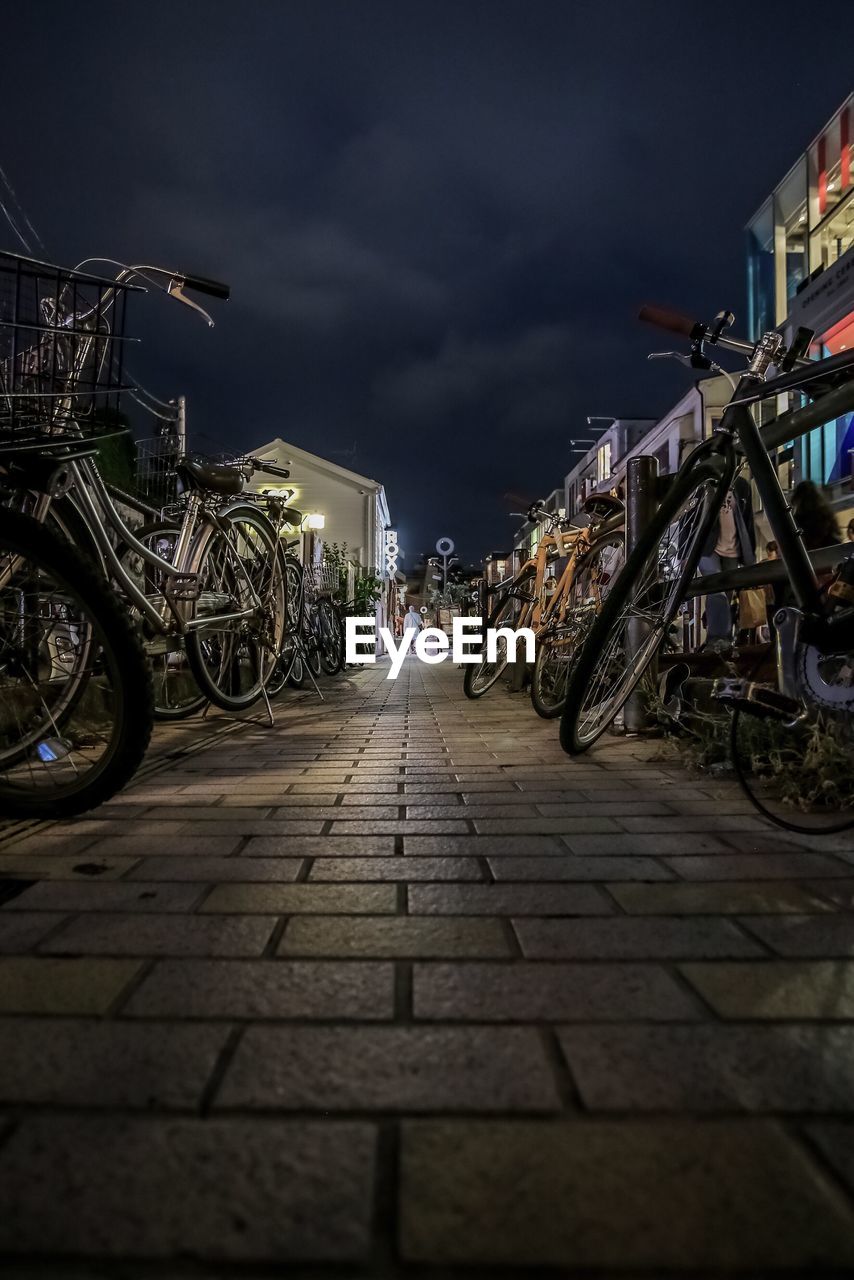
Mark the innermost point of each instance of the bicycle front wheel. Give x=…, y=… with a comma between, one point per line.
x=75, y=690
x=637, y=613
x=481, y=676
x=241, y=607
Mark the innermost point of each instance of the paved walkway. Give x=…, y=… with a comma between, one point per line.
x=397, y=989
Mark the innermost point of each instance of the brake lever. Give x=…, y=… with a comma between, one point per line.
x=175, y=290
x=671, y=355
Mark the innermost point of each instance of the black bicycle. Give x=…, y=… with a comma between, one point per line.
x=779, y=730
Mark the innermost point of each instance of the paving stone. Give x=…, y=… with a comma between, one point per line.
x=627, y=938
x=630, y=842
x=21, y=930
x=813, y=936
x=82, y=866
x=521, y=991
x=569, y=866
x=112, y=895
x=712, y=1068
x=217, y=870
x=370, y=818
x=149, y=935
x=44, y=844
x=83, y=1063
x=758, y=866
x=138, y=846
x=840, y=893
x=48, y=984
x=390, y=1069
x=611, y=809
x=400, y=936
x=401, y=826
x=670, y=1196
x=265, y=989
x=247, y=1190
x=715, y=822
x=717, y=899
x=835, y=1139
x=506, y=899
x=319, y=847
x=481, y=846
x=288, y=899
x=776, y=988
x=396, y=869
x=543, y=826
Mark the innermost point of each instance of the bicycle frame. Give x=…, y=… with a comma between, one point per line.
x=101, y=515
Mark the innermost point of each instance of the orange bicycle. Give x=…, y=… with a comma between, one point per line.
x=558, y=609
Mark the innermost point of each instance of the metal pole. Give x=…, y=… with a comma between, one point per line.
x=181, y=426
x=641, y=503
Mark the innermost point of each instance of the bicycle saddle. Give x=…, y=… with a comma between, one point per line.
x=218, y=477
x=602, y=505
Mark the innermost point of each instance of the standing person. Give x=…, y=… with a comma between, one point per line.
x=814, y=516
x=732, y=542
x=412, y=619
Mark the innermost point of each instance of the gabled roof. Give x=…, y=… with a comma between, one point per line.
x=323, y=464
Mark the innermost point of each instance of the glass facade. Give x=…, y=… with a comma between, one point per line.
x=805, y=226
x=798, y=234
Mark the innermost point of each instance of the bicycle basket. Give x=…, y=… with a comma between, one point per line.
x=326, y=579
x=61, y=344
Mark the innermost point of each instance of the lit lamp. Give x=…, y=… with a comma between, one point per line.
x=315, y=521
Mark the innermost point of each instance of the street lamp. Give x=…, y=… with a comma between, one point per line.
x=315, y=520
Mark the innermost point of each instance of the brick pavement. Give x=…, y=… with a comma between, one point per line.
x=397, y=989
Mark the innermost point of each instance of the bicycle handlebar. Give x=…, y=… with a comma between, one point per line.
x=199, y=284
x=672, y=321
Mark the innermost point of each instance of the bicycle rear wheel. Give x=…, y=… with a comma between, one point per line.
x=637, y=613
x=75, y=691
x=176, y=693
x=800, y=774
x=559, y=645
x=239, y=572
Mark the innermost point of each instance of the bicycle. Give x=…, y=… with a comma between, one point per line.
x=221, y=594
x=558, y=611
x=813, y=691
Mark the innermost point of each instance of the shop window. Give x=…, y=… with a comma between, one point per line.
x=790, y=236
x=603, y=462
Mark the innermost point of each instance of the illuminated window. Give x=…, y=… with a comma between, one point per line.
x=603, y=462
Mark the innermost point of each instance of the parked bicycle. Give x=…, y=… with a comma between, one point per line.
x=558, y=610
x=778, y=727
x=221, y=594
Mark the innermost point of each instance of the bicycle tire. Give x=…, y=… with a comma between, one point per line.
x=548, y=696
x=222, y=668
x=332, y=631
x=122, y=655
x=475, y=682
x=710, y=474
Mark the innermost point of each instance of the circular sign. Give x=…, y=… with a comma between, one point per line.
x=423, y=608
x=445, y=546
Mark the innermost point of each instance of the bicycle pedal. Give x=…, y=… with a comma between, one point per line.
x=182, y=586
x=755, y=699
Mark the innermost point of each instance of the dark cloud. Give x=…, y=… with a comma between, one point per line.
x=438, y=219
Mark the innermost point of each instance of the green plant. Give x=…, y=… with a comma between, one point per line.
x=367, y=590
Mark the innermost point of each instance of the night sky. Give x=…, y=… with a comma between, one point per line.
x=438, y=220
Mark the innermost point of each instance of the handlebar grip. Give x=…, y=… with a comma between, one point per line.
x=270, y=470
x=672, y=321
x=199, y=284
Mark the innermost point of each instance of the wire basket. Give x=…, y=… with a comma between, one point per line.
x=61, y=353
x=156, y=479
x=326, y=579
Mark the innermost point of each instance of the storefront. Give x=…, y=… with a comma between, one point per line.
x=800, y=272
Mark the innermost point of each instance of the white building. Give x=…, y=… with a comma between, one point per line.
x=354, y=508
